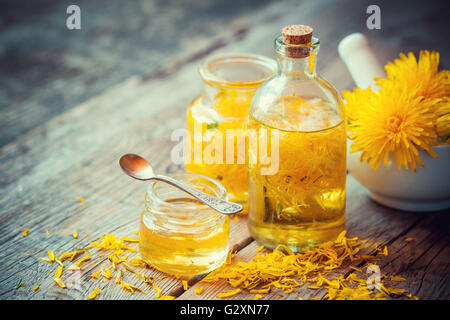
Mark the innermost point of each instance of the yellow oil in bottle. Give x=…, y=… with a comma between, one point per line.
x=303, y=204
x=187, y=248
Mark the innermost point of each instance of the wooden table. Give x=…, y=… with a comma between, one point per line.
x=48, y=162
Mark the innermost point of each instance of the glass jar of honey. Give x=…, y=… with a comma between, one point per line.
x=180, y=235
x=217, y=120
x=302, y=203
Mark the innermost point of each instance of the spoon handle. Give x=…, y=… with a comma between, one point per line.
x=217, y=204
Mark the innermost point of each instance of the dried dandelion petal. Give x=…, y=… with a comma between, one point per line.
x=25, y=232
x=286, y=270
x=106, y=273
x=36, y=288
x=80, y=199
x=166, y=298
x=185, y=285
x=51, y=255
x=199, y=290
x=397, y=278
x=70, y=255
x=58, y=272
x=157, y=290
x=95, y=274
x=138, y=262
x=145, y=278
x=130, y=287
x=111, y=242
x=259, y=249
x=119, y=277
x=94, y=293
x=59, y=282
x=75, y=235
x=82, y=260
x=228, y=294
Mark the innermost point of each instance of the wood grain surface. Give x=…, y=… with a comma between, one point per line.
x=71, y=104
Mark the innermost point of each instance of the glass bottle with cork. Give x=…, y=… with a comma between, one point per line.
x=303, y=203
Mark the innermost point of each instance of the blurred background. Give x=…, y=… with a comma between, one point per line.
x=46, y=69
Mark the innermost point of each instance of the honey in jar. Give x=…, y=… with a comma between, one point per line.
x=180, y=235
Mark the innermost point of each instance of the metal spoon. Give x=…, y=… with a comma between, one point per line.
x=138, y=168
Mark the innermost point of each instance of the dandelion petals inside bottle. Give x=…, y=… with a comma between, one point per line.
x=297, y=119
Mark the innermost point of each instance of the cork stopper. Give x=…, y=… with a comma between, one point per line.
x=297, y=37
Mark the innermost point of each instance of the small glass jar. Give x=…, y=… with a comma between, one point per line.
x=180, y=235
x=218, y=118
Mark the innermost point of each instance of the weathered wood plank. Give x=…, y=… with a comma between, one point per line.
x=41, y=59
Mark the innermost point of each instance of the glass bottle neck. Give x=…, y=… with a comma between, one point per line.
x=297, y=67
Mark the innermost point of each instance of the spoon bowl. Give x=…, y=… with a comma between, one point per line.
x=138, y=168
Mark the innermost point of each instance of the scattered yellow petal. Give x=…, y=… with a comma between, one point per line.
x=94, y=293
x=36, y=288
x=106, y=273
x=119, y=277
x=48, y=233
x=397, y=278
x=95, y=274
x=229, y=293
x=266, y=290
x=409, y=239
x=58, y=272
x=130, y=287
x=199, y=290
x=185, y=285
x=166, y=298
x=283, y=269
x=60, y=282
x=25, y=232
x=75, y=235
x=136, y=232
x=80, y=199
x=259, y=249
x=51, y=255
x=157, y=290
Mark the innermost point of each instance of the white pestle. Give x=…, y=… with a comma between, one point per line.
x=360, y=60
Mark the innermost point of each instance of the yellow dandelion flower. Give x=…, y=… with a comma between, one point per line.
x=393, y=119
x=443, y=119
x=421, y=75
